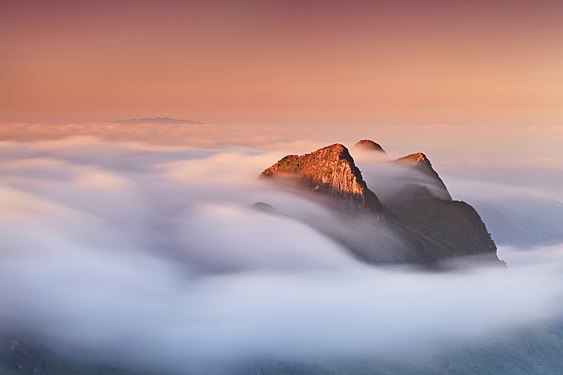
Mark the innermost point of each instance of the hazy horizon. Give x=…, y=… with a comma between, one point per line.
x=257, y=62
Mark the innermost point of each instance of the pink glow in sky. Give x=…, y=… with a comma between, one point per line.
x=283, y=62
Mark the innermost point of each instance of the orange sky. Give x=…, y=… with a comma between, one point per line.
x=292, y=62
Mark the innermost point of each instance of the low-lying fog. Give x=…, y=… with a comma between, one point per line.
x=153, y=255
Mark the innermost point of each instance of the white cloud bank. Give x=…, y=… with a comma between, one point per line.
x=154, y=254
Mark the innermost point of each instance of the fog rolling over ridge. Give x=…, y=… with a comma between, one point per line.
x=153, y=256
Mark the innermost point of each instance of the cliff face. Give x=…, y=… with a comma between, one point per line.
x=413, y=226
x=330, y=170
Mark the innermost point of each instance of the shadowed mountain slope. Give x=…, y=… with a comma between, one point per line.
x=455, y=225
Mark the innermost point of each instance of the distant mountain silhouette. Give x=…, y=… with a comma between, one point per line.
x=156, y=120
x=524, y=222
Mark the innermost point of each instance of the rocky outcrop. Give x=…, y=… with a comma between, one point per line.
x=419, y=162
x=454, y=225
x=369, y=146
x=411, y=226
x=330, y=170
x=265, y=207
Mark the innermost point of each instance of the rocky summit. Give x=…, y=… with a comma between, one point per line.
x=418, y=161
x=369, y=145
x=330, y=170
x=411, y=226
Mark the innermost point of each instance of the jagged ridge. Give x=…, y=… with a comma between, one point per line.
x=431, y=229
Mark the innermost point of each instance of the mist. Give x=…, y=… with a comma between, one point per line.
x=153, y=255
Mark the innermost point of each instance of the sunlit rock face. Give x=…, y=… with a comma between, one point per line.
x=329, y=170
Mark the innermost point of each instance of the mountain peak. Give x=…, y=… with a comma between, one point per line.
x=413, y=226
x=329, y=170
x=417, y=157
x=369, y=145
x=420, y=162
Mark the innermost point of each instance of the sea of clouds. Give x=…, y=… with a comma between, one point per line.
x=152, y=255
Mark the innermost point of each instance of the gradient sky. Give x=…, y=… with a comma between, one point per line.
x=430, y=62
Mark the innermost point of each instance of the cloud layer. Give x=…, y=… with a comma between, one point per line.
x=154, y=253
